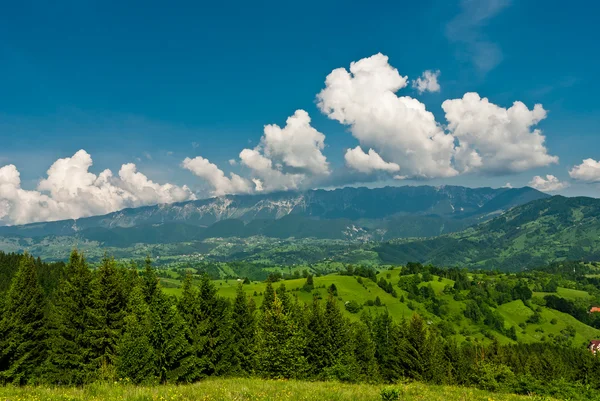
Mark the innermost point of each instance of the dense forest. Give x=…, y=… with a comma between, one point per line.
x=67, y=324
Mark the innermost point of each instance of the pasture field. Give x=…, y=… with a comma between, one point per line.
x=256, y=390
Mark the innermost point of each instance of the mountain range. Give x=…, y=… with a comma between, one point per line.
x=349, y=213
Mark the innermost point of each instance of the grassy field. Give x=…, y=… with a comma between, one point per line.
x=253, y=390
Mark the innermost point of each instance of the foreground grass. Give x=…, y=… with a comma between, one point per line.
x=253, y=389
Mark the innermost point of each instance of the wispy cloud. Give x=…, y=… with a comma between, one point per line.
x=466, y=31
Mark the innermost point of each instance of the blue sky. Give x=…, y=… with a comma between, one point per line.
x=151, y=84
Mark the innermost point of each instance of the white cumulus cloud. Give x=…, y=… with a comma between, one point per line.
x=494, y=139
x=297, y=144
x=216, y=178
x=268, y=177
x=587, y=171
x=548, y=184
x=427, y=82
x=70, y=191
x=399, y=128
x=367, y=163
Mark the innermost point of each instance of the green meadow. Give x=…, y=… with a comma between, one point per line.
x=257, y=390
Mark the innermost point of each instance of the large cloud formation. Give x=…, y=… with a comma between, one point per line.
x=480, y=136
x=399, y=129
x=286, y=159
x=70, y=191
x=494, y=139
x=587, y=171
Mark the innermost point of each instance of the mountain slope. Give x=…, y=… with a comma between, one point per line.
x=538, y=232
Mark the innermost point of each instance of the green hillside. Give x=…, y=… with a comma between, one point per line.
x=449, y=316
x=530, y=235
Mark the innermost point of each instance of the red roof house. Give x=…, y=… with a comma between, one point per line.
x=595, y=309
x=594, y=346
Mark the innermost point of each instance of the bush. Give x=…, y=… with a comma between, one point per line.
x=390, y=394
x=353, y=306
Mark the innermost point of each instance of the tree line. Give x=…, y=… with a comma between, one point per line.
x=116, y=323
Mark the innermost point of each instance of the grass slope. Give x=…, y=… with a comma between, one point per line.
x=252, y=389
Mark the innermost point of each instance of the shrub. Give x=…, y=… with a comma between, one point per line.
x=390, y=394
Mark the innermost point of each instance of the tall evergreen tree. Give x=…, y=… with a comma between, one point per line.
x=364, y=353
x=22, y=326
x=215, y=349
x=389, y=341
x=189, y=310
x=281, y=344
x=71, y=357
x=318, y=352
x=172, y=352
x=136, y=359
x=151, y=281
x=341, y=364
x=109, y=313
x=268, y=297
x=243, y=329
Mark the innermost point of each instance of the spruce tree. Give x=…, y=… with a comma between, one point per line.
x=341, y=364
x=150, y=280
x=318, y=351
x=284, y=297
x=364, y=353
x=71, y=357
x=243, y=329
x=389, y=342
x=268, y=298
x=173, y=355
x=22, y=326
x=109, y=313
x=136, y=359
x=189, y=309
x=281, y=344
x=215, y=349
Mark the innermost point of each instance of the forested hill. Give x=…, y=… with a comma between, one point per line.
x=533, y=234
x=347, y=213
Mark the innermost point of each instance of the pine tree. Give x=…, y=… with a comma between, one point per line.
x=136, y=360
x=364, y=353
x=71, y=359
x=168, y=333
x=173, y=354
x=281, y=344
x=243, y=329
x=318, y=352
x=284, y=297
x=341, y=364
x=215, y=349
x=151, y=282
x=389, y=342
x=22, y=326
x=268, y=298
x=189, y=309
x=109, y=313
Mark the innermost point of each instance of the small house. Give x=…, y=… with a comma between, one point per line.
x=595, y=309
x=594, y=346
